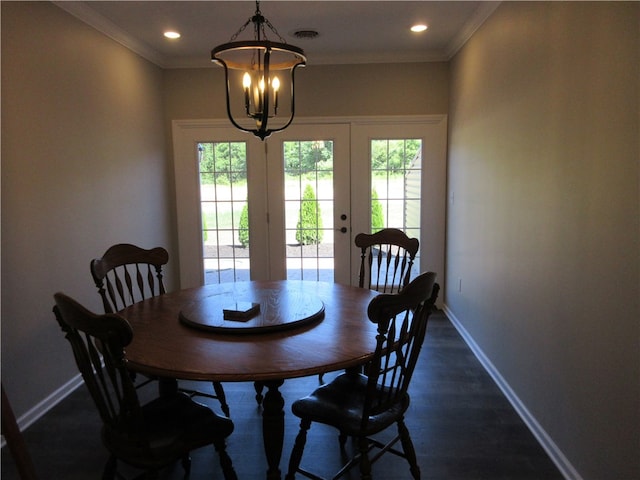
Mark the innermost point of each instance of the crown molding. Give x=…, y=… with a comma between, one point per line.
x=89, y=16
x=481, y=14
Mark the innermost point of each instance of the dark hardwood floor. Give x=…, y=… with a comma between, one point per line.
x=461, y=424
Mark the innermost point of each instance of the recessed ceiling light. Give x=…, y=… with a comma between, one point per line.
x=172, y=35
x=418, y=28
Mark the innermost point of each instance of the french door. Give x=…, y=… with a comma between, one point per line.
x=309, y=232
x=402, y=172
x=262, y=210
x=291, y=206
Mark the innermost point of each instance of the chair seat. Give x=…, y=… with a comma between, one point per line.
x=340, y=402
x=170, y=426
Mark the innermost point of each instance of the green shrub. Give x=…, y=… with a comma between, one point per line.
x=205, y=231
x=377, y=214
x=243, y=227
x=309, y=228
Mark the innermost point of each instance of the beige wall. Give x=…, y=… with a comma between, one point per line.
x=543, y=220
x=322, y=90
x=83, y=167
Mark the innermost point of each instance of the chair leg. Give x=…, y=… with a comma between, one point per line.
x=298, y=448
x=225, y=461
x=167, y=386
x=342, y=439
x=409, y=451
x=259, y=386
x=222, y=398
x=186, y=464
x=365, y=464
x=109, y=472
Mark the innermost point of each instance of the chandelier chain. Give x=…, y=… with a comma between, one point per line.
x=260, y=23
x=240, y=30
x=273, y=29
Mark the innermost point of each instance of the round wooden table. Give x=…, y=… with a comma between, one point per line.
x=166, y=346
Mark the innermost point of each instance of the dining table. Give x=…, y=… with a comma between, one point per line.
x=256, y=331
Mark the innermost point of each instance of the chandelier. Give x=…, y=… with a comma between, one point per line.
x=257, y=72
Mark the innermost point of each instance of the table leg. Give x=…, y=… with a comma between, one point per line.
x=273, y=427
x=167, y=386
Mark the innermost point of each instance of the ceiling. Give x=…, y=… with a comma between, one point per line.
x=349, y=31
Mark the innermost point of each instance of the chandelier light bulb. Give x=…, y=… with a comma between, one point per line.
x=276, y=85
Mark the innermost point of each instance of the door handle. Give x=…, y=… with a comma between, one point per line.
x=343, y=229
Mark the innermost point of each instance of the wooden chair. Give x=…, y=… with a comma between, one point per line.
x=150, y=436
x=362, y=405
x=126, y=274
x=15, y=440
x=386, y=259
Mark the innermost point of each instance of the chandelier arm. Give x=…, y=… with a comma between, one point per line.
x=229, y=115
x=264, y=120
x=293, y=101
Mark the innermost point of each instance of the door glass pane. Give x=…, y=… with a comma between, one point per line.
x=224, y=211
x=396, y=171
x=308, y=170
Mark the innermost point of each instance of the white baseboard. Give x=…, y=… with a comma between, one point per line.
x=45, y=405
x=556, y=455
